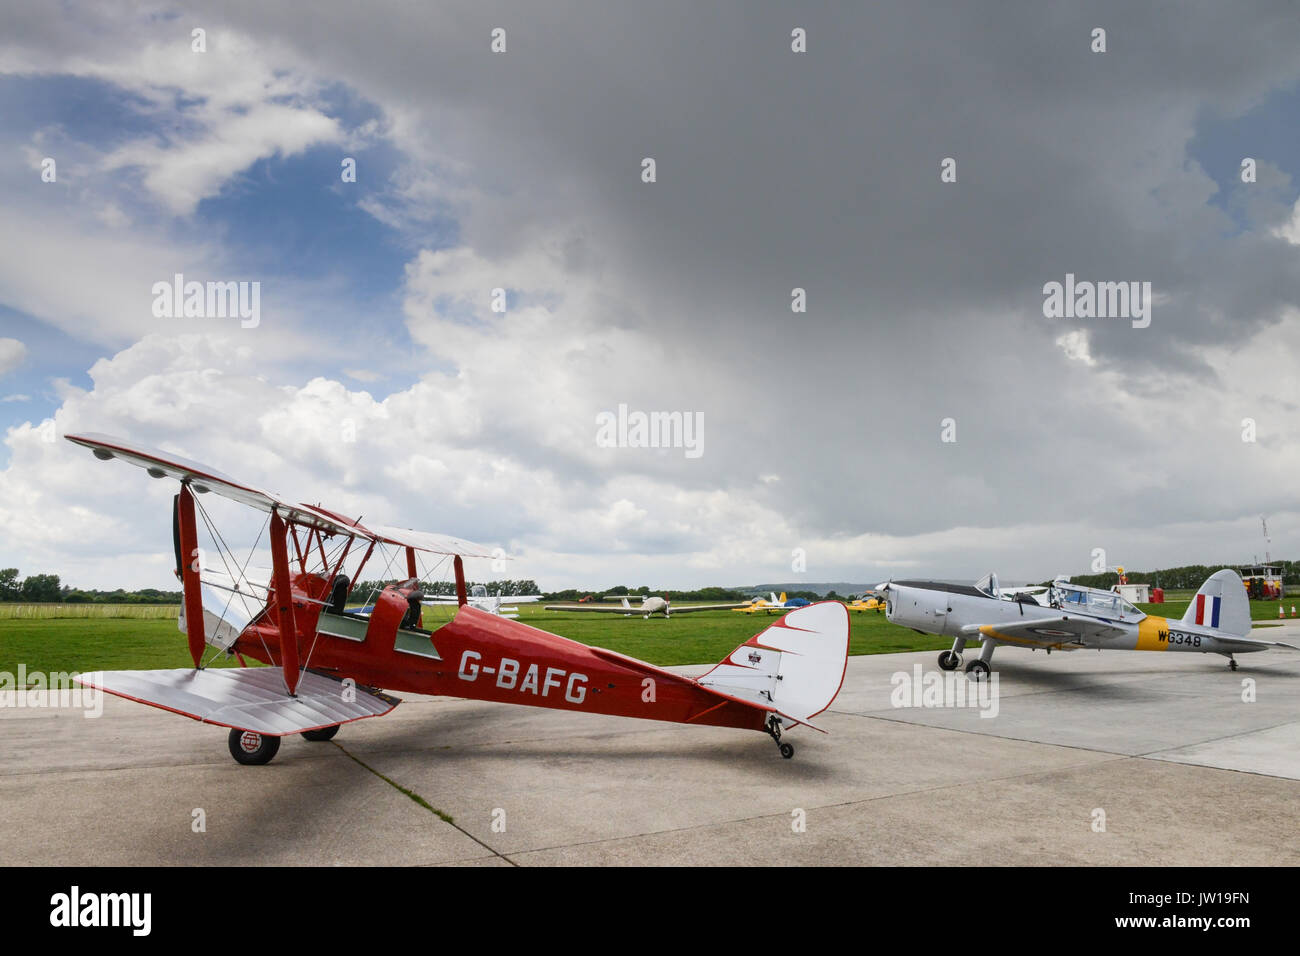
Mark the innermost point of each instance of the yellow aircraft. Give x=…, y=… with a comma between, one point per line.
x=868, y=602
x=776, y=605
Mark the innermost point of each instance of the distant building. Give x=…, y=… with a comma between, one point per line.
x=1134, y=593
x=1263, y=582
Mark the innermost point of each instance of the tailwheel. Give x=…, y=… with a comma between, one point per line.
x=948, y=661
x=252, y=749
x=321, y=734
x=773, y=728
x=977, y=670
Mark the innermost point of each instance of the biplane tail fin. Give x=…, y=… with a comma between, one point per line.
x=1221, y=603
x=795, y=667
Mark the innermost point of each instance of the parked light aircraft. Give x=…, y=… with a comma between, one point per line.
x=650, y=605
x=326, y=664
x=868, y=602
x=771, y=604
x=492, y=603
x=1217, y=620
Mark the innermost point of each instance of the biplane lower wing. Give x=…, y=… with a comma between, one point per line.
x=252, y=698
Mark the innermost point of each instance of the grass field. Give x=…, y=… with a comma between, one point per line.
x=46, y=612
x=120, y=637
x=91, y=644
x=48, y=643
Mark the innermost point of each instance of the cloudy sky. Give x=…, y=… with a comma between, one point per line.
x=379, y=380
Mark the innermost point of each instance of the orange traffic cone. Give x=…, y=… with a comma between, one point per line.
x=1281, y=612
x=1293, y=610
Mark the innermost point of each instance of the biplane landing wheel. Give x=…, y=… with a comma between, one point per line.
x=320, y=735
x=1232, y=665
x=252, y=749
x=787, y=751
x=948, y=661
x=977, y=670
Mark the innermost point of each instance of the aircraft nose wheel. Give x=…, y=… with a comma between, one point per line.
x=252, y=749
x=977, y=670
x=948, y=661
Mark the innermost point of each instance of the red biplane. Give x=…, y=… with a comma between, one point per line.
x=326, y=665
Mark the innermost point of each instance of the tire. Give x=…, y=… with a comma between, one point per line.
x=787, y=751
x=322, y=734
x=252, y=749
x=948, y=661
x=977, y=670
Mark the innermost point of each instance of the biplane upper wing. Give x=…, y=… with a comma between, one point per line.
x=433, y=543
x=250, y=698
x=203, y=478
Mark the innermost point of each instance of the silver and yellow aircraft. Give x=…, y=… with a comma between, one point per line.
x=1217, y=621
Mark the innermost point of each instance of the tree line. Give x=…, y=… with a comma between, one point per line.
x=1190, y=576
x=47, y=589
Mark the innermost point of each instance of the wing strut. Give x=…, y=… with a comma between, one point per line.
x=284, y=602
x=461, y=597
x=187, y=535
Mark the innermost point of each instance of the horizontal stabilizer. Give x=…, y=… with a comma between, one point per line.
x=1252, y=643
x=252, y=698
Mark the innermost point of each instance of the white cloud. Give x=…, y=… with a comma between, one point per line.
x=182, y=174
x=1290, y=230
x=12, y=353
x=1075, y=346
x=241, y=101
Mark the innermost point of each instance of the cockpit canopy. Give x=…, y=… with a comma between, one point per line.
x=1106, y=604
x=988, y=585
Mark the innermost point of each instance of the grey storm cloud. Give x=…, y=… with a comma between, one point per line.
x=821, y=170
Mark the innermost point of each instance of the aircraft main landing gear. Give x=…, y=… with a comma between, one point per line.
x=951, y=660
x=979, y=669
x=1232, y=663
x=773, y=729
x=252, y=749
x=321, y=734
